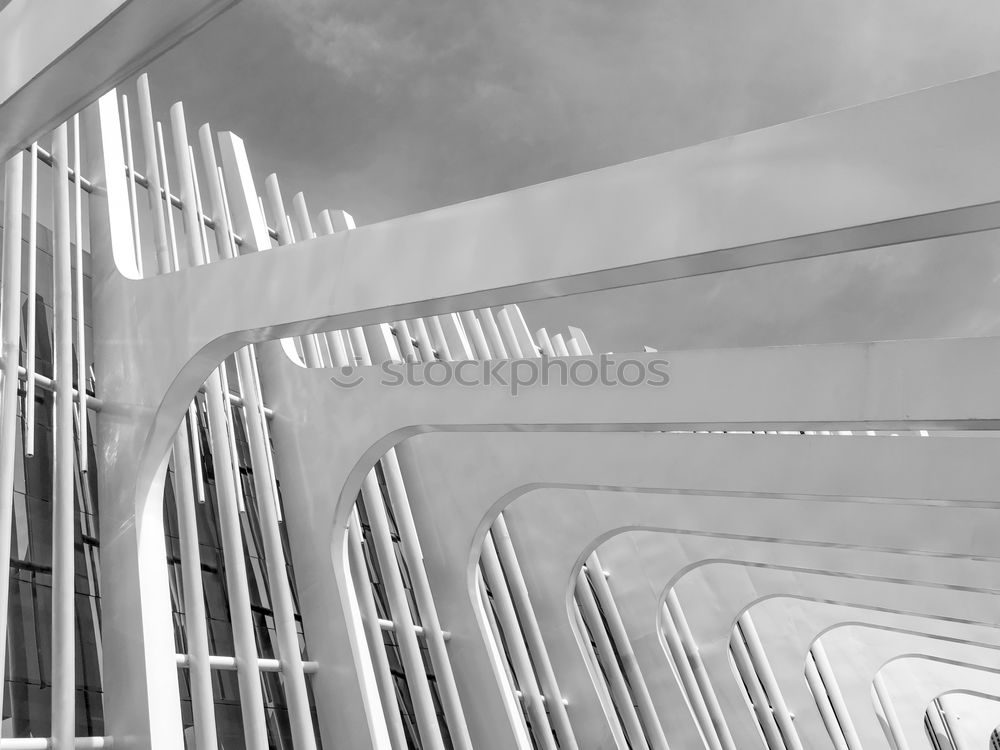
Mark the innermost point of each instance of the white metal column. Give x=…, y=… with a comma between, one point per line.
x=63, y=619
x=10, y=331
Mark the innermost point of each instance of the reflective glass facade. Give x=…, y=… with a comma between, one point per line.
x=26, y=709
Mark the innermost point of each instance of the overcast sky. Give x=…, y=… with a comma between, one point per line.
x=385, y=108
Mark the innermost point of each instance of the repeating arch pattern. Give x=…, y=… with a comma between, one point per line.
x=739, y=556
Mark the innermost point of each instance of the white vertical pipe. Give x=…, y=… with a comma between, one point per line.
x=342, y=221
x=896, y=733
x=216, y=195
x=202, y=236
x=826, y=674
x=544, y=342
x=334, y=339
x=434, y=634
x=338, y=351
x=244, y=639
x=606, y=653
x=414, y=556
x=310, y=351
x=266, y=439
x=424, y=340
x=405, y=342
x=957, y=741
x=826, y=711
x=373, y=632
x=198, y=255
x=940, y=736
x=603, y=591
x=510, y=341
x=492, y=333
x=10, y=331
x=354, y=342
x=475, y=331
x=304, y=229
x=531, y=695
x=175, y=257
x=63, y=641
x=763, y=669
x=761, y=707
x=326, y=222
x=599, y=683
x=251, y=695
x=406, y=637
x=521, y=332
x=272, y=192
x=502, y=667
x=336, y=342
x=192, y=226
x=196, y=228
x=152, y=167
x=228, y=216
x=692, y=655
x=81, y=343
x=196, y=454
x=515, y=579
x=532, y=632
x=580, y=336
x=558, y=347
x=133, y=201
x=187, y=456
x=688, y=681
x=272, y=197
x=31, y=325
x=452, y=330
x=199, y=669
x=230, y=435
x=283, y=608
x=647, y=712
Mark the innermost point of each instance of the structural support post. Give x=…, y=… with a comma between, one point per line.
x=895, y=729
x=690, y=649
x=826, y=674
x=606, y=655
x=764, y=672
x=199, y=668
x=824, y=705
x=300, y=717
x=373, y=633
x=63, y=556
x=10, y=308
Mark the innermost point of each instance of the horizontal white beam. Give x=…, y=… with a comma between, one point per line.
x=900, y=170
x=228, y=664
x=56, y=56
x=390, y=626
x=44, y=743
x=93, y=403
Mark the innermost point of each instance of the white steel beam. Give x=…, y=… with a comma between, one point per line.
x=928, y=148
x=88, y=47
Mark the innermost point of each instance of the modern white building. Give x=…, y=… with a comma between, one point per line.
x=271, y=480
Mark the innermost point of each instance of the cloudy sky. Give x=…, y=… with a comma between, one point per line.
x=384, y=108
